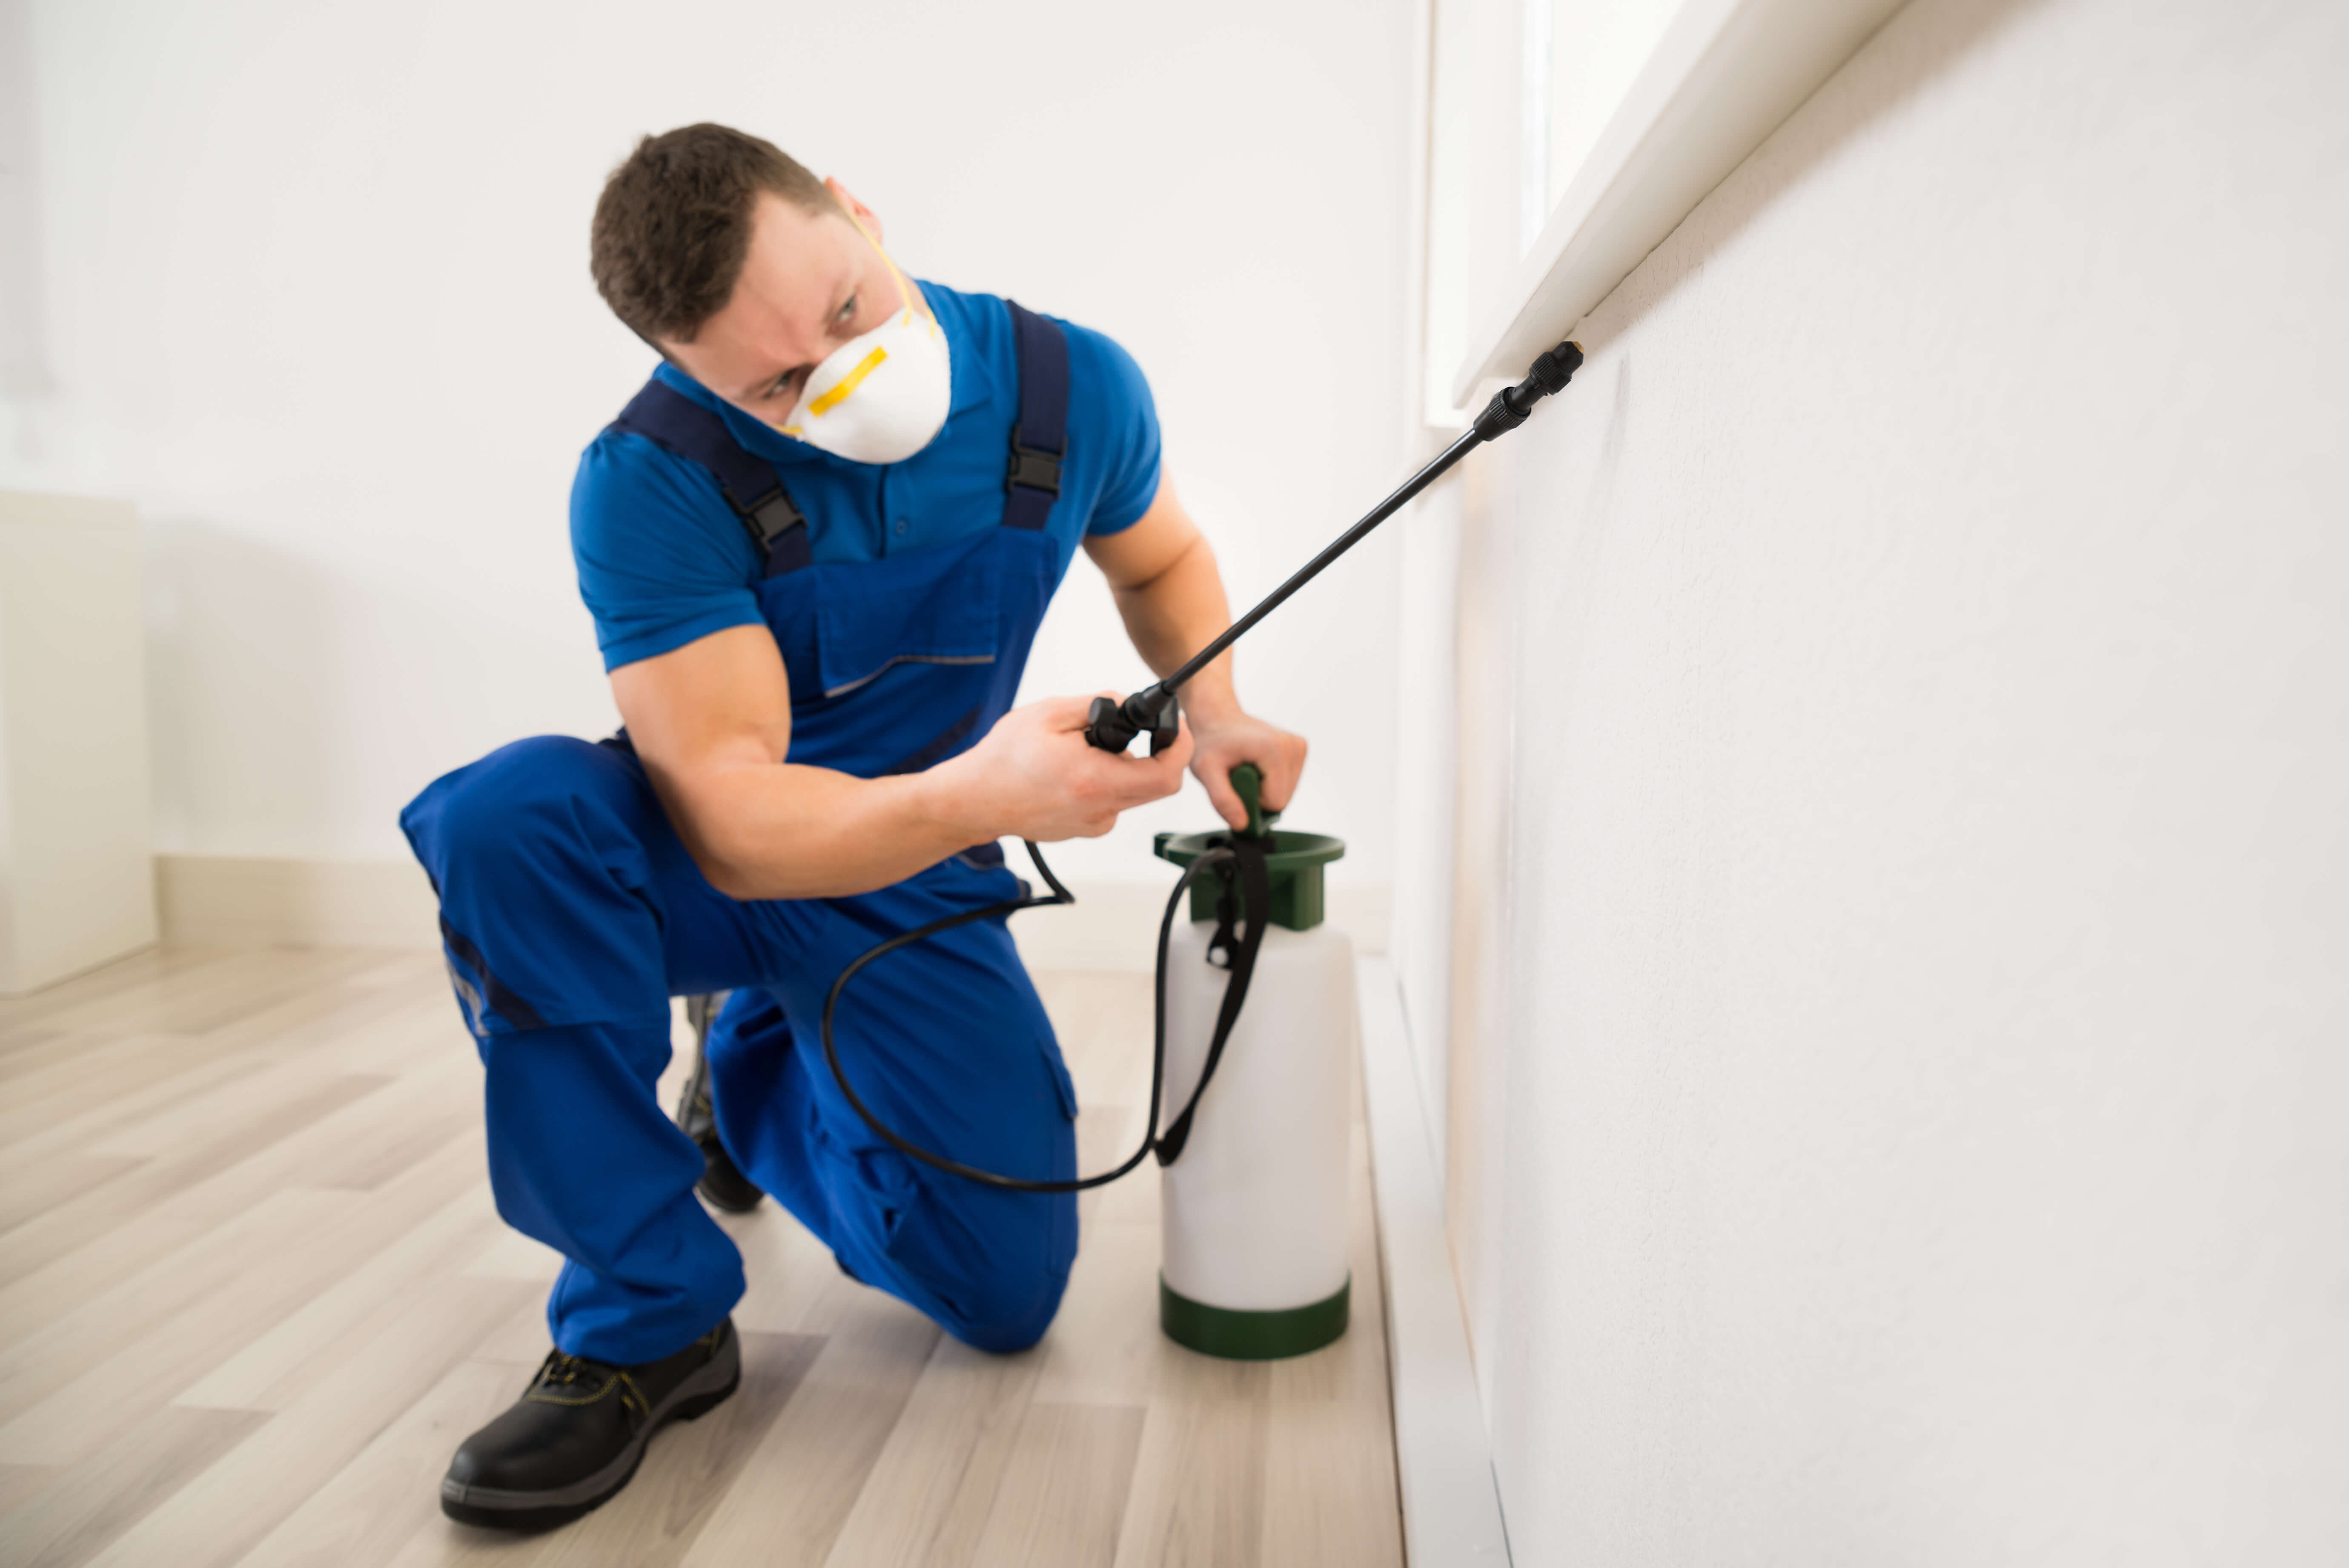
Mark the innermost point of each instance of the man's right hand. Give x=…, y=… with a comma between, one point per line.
x=1036, y=776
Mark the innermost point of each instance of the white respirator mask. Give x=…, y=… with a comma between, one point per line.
x=882, y=396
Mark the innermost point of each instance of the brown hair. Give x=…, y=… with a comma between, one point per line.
x=674, y=224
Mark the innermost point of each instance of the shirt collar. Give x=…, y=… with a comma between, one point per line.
x=973, y=380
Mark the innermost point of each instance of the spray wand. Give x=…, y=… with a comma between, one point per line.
x=1237, y=858
x=1151, y=712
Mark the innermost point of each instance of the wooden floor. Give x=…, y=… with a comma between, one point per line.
x=252, y=1294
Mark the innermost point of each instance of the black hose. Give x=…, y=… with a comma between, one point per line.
x=1242, y=964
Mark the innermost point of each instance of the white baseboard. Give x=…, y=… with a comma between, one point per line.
x=1444, y=1456
x=239, y=901
x=229, y=901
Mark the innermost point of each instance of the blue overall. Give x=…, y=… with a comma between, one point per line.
x=571, y=913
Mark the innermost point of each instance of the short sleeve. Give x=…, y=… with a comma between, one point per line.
x=1129, y=420
x=661, y=560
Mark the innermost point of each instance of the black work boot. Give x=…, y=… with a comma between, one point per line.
x=577, y=1434
x=722, y=1182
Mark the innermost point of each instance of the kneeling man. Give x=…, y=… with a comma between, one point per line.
x=816, y=546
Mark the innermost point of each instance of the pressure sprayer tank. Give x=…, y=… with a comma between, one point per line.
x=1254, y=1207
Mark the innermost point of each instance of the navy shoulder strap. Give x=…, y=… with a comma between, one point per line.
x=677, y=424
x=1039, y=436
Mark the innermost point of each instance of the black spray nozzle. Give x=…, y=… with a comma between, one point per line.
x=1152, y=710
x=1511, y=405
x=1112, y=725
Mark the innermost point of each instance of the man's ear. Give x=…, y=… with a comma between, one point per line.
x=864, y=214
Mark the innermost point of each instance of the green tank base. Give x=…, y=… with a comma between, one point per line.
x=1238, y=1335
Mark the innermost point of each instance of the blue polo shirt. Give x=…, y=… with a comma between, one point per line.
x=663, y=560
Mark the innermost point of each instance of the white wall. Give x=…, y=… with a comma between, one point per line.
x=309, y=284
x=1899, y=1058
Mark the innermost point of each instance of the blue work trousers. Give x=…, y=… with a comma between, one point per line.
x=571, y=913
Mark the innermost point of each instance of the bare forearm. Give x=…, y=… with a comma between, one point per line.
x=1163, y=571
x=778, y=830
x=1175, y=615
x=713, y=725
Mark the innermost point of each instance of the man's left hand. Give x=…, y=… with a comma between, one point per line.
x=1227, y=742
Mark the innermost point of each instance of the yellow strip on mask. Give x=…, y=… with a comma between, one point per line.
x=847, y=384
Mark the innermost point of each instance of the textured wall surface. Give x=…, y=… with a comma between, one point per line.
x=309, y=283
x=1899, y=1080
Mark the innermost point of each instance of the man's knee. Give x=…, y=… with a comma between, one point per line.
x=1015, y=1250
x=496, y=808
x=1012, y=1314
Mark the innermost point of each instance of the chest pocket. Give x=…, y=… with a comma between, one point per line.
x=863, y=628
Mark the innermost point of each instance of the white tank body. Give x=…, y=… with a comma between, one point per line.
x=1254, y=1209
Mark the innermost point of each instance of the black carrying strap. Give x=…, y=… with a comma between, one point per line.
x=1039, y=436
x=678, y=425
x=1239, y=949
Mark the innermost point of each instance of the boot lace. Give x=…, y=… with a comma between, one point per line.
x=562, y=1371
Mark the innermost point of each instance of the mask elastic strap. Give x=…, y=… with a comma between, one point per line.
x=904, y=288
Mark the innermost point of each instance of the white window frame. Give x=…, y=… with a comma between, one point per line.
x=1722, y=77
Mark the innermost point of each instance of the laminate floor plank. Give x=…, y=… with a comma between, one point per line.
x=419, y=1026
x=139, y=1184
x=1198, y=1495
x=20, y=1483
x=311, y=1007
x=137, y=1377
x=89, y=1070
x=192, y=1000
x=98, y=1076
x=790, y=1274
x=304, y=1362
x=67, y=1134
x=53, y=1184
x=802, y=1480
x=81, y=1343
x=30, y=1051
x=933, y=1488
x=390, y=1490
x=1104, y=1347
x=301, y=984
x=262, y=1376
x=509, y=1256
x=131, y=1247
x=1328, y=1488
x=433, y=1111
x=224, y=1513
x=153, y=1336
x=1064, y=1489
x=140, y=971
x=91, y=1502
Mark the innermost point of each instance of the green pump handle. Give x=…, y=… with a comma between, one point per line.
x=1247, y=782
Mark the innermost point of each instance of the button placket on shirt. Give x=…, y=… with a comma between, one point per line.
x=894, y=516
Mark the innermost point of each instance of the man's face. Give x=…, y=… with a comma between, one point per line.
x=810, y=282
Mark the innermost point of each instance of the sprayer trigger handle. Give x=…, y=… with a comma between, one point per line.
x=1247, y=782
x=1165, y=732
